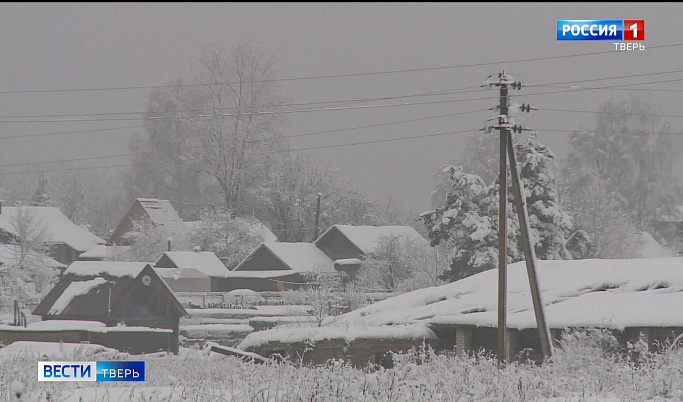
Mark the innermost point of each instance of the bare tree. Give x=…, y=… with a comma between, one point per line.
x=30, y=233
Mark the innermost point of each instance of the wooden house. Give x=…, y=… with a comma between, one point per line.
x=205, y=262
x=278, y=266
x=160, y=213
x=346, y=241
x=64, y=239
x=116, y=294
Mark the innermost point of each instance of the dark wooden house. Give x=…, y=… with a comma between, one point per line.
x=278, y=266
x=116, y=294
x=160, y=213
x=346, y=241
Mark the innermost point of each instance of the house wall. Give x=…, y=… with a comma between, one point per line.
x=288, y=282
x=63, y=253
x=360, y=352
x=335, y=245
x=189, y=284
x=134, y=342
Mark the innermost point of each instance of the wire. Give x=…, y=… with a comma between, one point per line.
x=255, y=154
x=332, y=76
x=68, y=132
x=615, y=113
x=338, y=102
x=606, y=78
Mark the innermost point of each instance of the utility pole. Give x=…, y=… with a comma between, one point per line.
x=507, y=148
x=317, y=219
x=502, y=227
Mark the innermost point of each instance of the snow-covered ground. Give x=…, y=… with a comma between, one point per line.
x=580, y=371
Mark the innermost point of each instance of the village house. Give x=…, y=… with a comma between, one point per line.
x=64, y=239
x=160, y=213
x=136, y=309
x=634, y=298
x=278, y=266
x=194, y=270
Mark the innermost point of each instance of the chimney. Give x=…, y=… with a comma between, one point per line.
x=197, y=249
x=1, y=201
x=169, y=243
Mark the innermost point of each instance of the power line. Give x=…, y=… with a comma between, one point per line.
x=358, y=107
x=318, y=77
x=255, y=154
x=68, y=132
x=337, y=102
x=433, y=93
x=611, y=113
x=605, y=78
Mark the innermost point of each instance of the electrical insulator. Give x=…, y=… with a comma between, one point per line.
x=517, y=85
x=525, y=107
x=516, y=128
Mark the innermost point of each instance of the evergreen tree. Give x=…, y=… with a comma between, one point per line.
x=468, y=221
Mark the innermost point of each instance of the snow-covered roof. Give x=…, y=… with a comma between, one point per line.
x=162, y=214
x=645, y=246
x=104, y=252
x=299, y=257
x=9, y=255
x=604, y=293
x=76, y=288
x=367, y=238
x=205, y=261
x=111, y=268
x=317, y=334
x=347, y=261
x=58, y=228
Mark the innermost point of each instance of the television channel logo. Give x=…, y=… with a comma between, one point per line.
x=629, y=30
x=92, y=371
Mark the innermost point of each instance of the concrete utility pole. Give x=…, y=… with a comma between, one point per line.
x=502, y=228
x=316, y=231
x=507, y=148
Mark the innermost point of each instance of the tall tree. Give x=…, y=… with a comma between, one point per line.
x=627, y=152
x=468, y=222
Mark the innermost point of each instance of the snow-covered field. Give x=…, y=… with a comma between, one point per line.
x=580, y=371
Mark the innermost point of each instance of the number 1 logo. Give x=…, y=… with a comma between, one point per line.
x=634, y=29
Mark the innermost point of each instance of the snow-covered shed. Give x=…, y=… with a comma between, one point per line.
x=206, y=262
x=634, y=297
x=288, y=262
x=65, y=239
x=159, y=212
x=115, y=293
x=347, y=241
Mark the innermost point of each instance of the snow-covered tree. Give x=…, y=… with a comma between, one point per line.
x=627, y=149
x=465, y=225
x=400, y=264
x=468, y=220
x=148, y=242
x=230, y=238
x=550, y=224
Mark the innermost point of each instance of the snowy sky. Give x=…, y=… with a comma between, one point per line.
x=114, y=45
